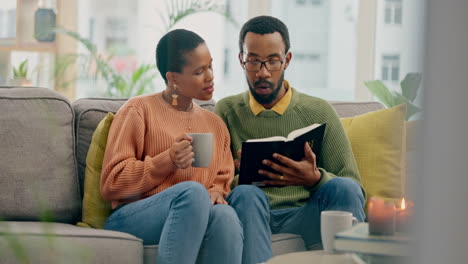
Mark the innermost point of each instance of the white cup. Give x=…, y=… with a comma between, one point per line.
x=202, y=147
x=332, y=222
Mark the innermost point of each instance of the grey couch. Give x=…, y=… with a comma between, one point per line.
x=44, y=140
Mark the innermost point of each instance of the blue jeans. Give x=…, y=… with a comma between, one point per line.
x=259, y=222
x=186, y=226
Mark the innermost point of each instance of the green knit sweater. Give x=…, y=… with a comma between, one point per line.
x=336, y=158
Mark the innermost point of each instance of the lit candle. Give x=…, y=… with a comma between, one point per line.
x=403, y=215
x=381, y=217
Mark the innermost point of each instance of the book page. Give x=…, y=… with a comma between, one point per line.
x=294, y=134
x=270, y=139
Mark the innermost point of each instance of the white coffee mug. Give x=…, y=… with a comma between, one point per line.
x=332, y=222
x=202, y=147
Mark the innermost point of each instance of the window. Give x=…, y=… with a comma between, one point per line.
x=391, y=68
x=393, y=12
x=1, y=24
x=11, y=22
x=323, y=42
x=116, y=32
x=309, y=2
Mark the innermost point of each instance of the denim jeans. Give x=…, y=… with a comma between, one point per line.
x=259, y=222
x=186, y=226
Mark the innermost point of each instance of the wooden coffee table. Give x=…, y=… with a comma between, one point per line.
x=315, y=256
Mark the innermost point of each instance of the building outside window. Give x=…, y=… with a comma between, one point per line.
x=391, y=68
x=308, y=2
x=393, y=12
x=11, y=22
x=116, y=31
x=399, y=49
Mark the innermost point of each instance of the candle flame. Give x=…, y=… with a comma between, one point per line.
x=403, y=204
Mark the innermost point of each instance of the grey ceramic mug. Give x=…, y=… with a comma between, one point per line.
x=202, y=144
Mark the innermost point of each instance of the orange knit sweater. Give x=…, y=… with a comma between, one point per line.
x=136, y=161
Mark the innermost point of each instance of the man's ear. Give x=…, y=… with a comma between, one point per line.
x=241, y=62
x=287, y=60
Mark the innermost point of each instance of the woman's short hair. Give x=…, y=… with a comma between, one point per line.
x=171, y=49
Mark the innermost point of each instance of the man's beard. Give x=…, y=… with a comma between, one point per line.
x=267, y=98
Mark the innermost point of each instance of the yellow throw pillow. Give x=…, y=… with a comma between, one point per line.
x=377, y=139
x=95, y=209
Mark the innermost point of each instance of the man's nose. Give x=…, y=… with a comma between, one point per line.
x=263, y=72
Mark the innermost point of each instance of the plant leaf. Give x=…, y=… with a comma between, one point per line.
x=410, y=85
x=411, y=110
x=383, y=94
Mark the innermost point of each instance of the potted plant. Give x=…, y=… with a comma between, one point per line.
x=20, y=74
x=409, y=90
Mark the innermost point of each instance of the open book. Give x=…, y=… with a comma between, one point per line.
x=292, y=146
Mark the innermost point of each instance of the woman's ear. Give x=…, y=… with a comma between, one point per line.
x=171, y=78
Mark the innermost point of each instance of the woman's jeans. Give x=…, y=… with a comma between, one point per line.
x=182, y=221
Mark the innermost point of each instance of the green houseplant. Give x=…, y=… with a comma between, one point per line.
x=409, y=91
x=20, y=74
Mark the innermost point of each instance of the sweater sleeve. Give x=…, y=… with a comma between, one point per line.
x=337, y=159
x=224, y=177
x=126, y=173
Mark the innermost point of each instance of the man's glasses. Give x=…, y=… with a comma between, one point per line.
x=256, y=65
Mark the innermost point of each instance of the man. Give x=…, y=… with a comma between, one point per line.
x=272, y=107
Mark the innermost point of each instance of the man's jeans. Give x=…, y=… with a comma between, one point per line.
x=186, y=226
x=259, y=222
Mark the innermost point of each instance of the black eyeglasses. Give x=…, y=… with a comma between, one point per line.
x=256, y=65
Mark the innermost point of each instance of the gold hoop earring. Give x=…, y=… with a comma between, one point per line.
x=174, y=96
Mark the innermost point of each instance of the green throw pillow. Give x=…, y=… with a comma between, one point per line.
x=95, y=209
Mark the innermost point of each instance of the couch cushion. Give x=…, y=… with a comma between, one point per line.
x=287, y=243
x=377, y=140
x=95, y=209
x=348, y=109
x=281, y=244
x=39, y=242
x=89, y=112
x=38, y=167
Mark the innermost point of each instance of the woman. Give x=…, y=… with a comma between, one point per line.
x=156, y=194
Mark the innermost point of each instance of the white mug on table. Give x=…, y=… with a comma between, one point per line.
x=332, y=222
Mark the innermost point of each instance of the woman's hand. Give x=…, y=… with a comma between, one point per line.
x=217, y=198
x=181, y=152
x=237, y=161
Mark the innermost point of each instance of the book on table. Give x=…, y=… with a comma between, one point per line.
x=254, y=151
x=358, y=240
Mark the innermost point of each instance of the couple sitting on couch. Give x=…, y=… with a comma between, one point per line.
x=191, y=212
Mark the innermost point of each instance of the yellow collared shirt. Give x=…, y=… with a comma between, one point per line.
x=279, y=107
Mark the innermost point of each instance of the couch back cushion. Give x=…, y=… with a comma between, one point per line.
x=38, y=167
x=349, y=109
x=88, y=113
